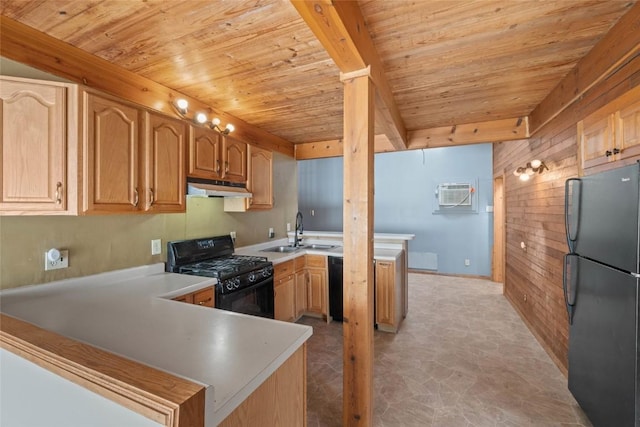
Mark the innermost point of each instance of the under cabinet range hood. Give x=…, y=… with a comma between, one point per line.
x=203, y=188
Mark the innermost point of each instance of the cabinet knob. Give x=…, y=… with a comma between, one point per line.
x=226, y=167
x=608, y=153
x=150, y=196
x=616, y=151
x=217, y=166
x=136, y=197
x=58, y=193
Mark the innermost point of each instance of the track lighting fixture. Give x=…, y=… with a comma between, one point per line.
x=181, y=106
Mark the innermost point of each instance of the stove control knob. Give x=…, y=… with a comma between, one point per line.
x=236, y=282
x=229, y=285
x=266, y=272
x=252, y=277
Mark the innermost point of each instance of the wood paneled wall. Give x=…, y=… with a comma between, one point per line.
x=535, y=214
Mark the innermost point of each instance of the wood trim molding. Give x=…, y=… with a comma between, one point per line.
x=340, y=28
x=157, y=395
x=24, y=44
x=619, y=46
x=469, y=133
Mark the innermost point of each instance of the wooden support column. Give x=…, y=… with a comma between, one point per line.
x=359, y=112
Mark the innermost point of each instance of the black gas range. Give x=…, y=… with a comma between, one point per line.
x=245, y=283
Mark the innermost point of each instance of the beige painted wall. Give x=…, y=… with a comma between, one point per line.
x=103, y=243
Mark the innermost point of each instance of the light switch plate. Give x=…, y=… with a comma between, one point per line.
x=156, y=247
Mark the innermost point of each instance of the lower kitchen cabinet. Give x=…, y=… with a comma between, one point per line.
x=204, y=297
x=317, y=289
x=389, y=296
x=284, y=291
x=301, y=291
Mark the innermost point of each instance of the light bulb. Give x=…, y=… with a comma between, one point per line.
x=201, y=118
x=529, y=170
x=536, y=163
x=215, y=122
x=182, y=105
x=230, y=127
x=517, y=172
x=524, y=177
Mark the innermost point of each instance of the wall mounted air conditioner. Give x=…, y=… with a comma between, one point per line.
x=454, y=194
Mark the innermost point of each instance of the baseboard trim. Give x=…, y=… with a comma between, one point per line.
x=435, y=273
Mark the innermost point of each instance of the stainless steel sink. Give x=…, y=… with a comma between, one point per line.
x=281, y=249
x=320, y=247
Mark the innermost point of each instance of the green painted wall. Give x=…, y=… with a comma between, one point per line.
x=104, y=243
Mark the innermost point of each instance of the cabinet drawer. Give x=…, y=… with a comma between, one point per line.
x=204, y=297
x=316, y=261
x=283, y=280
x=282, y=269
x=299, y=263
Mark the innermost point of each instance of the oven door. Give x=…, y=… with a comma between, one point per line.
x=256, y=300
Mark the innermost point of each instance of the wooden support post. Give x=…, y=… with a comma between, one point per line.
x=359, y=111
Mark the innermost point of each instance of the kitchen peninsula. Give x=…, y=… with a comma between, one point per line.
x=129, y=313
x=302, y=279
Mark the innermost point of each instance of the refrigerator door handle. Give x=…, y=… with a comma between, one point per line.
x=568, y=286
x=571, y=231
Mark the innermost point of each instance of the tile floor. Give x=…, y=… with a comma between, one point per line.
x=463, y=357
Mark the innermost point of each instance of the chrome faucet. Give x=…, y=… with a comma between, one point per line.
x=296, y=240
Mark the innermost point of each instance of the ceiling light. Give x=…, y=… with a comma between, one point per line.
x=215, y=124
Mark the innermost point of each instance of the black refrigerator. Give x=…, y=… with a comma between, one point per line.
x=601, y=279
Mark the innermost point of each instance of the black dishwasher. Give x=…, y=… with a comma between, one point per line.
x=335, y=288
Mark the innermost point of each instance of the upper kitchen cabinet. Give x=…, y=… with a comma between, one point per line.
x=38, y=149
x=234, y=159
x=611, y=134
x=165, y=175
x=259, y=183
x=213, y=156
x=205, y=154
x=111, y=163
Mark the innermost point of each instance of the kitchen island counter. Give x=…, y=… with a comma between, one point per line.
x=130, y=313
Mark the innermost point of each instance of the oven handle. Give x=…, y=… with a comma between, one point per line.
x=250, y=288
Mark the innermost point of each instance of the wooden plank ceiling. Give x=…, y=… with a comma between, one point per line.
x=448, y=63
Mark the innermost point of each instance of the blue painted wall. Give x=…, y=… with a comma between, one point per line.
x=406, y=202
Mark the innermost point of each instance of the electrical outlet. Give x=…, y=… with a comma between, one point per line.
x=271, y=233
x=54, y=259
x=288, y=226
x=467, y=262
x=233, y=235
x=156, y=247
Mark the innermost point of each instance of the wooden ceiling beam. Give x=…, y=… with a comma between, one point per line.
x=468, y=133
x=28, y=46
x=619, y=46
x=340, y=28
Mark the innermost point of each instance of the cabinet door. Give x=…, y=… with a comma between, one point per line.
x=111, y=163
x=165, y=164
x=204, y=154
x=628, y=131
x=301, y=293
x=260, y=182
x=385, y=293
x=284, y=299
x=234, y=156
x=317, y=291
x=596, y=135
x=33, y=147
x=204, y=297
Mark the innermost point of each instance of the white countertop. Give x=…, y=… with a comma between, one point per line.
x=128, y=313
x=386, y=246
